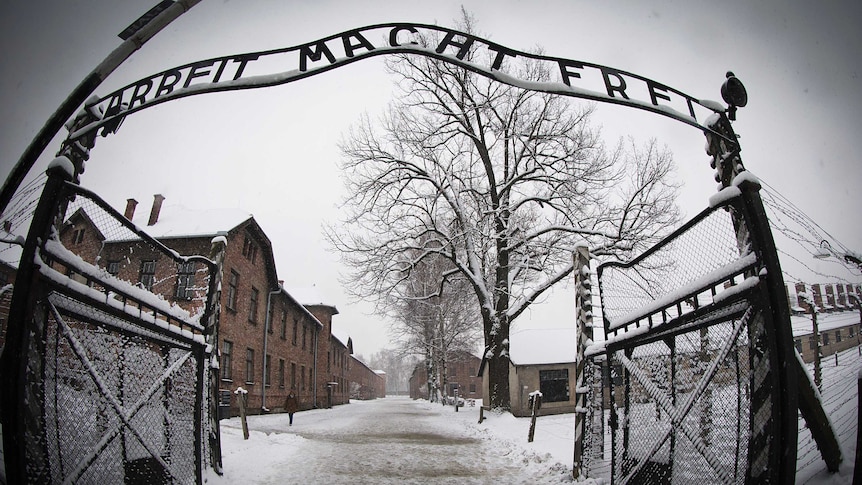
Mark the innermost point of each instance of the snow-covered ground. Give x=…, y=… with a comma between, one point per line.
x=392, y=440
x=397, y=440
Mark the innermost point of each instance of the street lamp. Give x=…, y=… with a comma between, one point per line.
x=825, y=251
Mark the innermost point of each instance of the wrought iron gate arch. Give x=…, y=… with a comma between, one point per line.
x=108, y=112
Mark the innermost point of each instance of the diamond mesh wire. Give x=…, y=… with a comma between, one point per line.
x=677, y=393
x=115, y=392
x=100, y=239
x=706, y=250
x=95, y=376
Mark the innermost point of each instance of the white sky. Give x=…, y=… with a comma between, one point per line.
x=798, y=60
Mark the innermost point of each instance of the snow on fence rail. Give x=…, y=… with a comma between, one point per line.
x=116, y=338
x=678, y=380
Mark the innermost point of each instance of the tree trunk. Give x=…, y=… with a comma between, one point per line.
x=429, y=372
x=498, y=366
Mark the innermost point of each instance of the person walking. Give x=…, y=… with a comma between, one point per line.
x=291, y=404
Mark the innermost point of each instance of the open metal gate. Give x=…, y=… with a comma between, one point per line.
x=105, y=380
x=694, y=357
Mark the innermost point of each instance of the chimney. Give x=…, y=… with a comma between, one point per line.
x=157, y=207
x=130, y=208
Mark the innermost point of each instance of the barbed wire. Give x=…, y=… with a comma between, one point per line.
x=797, y=233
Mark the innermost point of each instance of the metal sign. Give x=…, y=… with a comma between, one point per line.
x=145, y=19
x=280, y=66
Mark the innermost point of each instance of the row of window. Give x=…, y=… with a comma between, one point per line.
x=301, y=381
x=233, y=291
x=825, y=338
x=147, y=277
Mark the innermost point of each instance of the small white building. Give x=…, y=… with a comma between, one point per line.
x=543, y=360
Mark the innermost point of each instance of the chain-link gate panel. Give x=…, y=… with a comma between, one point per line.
x=115, y=338
x=123, y=403
x=686, y=378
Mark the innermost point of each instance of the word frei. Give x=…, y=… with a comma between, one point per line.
x=280, y=66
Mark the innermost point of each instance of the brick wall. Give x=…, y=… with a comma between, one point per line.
x=364, y=382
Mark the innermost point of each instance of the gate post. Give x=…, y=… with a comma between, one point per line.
x=584, y=319
x=778, y=387
x=211, y=322
x=24, y=329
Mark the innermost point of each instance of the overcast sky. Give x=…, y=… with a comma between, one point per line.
x=273, y=151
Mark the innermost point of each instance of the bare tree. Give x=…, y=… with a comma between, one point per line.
x=500, y=182
x=434, y=321
x=397, y=366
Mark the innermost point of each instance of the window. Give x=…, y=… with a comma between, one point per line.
x=825, y=339
x=798, y=343
x=232, y=287
x=185, y=280
x=283, y=324
x=304, y=332
x=292, y=376
x=249, y=249
x=148, y=274
x=226, y=351
x=252, y=306
x=281, y=373
x=454, y=371
x=267, y=368
x=812, y=343
x=249, y=365
x=78, y=236
x=850, y=332
x=837, y=336
x=554, y=385
x=472, y=388
x=295, y=330
x=113, y=268
x=302, y=378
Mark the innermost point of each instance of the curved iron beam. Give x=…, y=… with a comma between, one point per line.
x=82, y=91
x=575, y=78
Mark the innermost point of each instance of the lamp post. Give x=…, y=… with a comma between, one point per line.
x=825, y=251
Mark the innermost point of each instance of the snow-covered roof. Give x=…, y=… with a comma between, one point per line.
x=802, y=324
x=311, y=296
x=181, y=221
x=339, y=333
x=543, y=346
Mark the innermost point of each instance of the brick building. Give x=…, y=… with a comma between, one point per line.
x=461, y=370
x=365, y=383
x=269, y=342
x=839, y=319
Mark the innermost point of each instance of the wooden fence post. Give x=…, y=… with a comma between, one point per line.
x=535, y=404
x=241, y=396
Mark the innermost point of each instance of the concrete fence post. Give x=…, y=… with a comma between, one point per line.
x=584, y=319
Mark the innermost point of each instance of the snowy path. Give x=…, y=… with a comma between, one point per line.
x=392, y=440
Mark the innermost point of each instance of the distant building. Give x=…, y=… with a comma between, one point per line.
x=542, y=360
x=365, y=383
x=461, y=369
